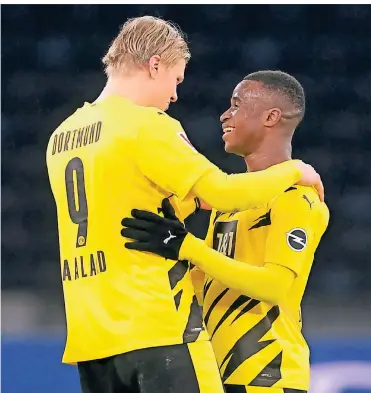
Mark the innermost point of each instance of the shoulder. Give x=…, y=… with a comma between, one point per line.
x=303, y=201
x=154, y=116
x=158, y=126
x=297, y=196
x=139, y=117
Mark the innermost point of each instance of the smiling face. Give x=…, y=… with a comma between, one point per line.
x=244, y=123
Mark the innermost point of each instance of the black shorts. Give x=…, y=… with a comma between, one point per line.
x=183, y=368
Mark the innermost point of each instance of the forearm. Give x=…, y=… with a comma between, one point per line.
x=229, y=193
x=269, y=283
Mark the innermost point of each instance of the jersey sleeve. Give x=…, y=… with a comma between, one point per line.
x=166, y=156
x=250, y=280
x=298, y=222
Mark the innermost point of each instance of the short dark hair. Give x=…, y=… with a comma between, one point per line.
x=284, y=84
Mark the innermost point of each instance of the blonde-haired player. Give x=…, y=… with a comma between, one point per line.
x=133, y=325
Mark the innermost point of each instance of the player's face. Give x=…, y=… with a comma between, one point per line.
x=243, y=122
x=167, y=81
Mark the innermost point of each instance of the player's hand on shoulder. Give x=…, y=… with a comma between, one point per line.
x=311, y=178
x=152, y=233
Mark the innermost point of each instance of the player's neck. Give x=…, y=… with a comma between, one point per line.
x=268, y=155
x=130, y=88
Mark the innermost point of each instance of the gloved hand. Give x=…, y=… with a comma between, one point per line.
x=152, y=233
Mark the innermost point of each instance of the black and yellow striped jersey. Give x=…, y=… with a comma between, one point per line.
x=257, y=343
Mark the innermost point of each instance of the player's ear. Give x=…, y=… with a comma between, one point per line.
x=154, y=63
x=272, y=117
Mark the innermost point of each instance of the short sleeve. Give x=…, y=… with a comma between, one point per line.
x=167, y=157
x=297, y=224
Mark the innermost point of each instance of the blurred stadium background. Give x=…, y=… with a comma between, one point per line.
x=51, y=65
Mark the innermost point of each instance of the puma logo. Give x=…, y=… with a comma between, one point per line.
x=310, y=203
x=166, y=241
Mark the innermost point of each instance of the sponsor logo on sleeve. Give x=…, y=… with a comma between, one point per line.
x=297, y=239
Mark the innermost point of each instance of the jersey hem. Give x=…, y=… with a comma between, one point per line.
x=125, y=349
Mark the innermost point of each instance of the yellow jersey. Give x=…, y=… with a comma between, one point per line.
x=256, y=343
x=100, y=164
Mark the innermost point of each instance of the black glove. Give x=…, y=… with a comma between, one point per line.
x=161, y=235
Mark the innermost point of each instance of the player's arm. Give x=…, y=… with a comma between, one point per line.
x=166, y=157
x=270, y=282
x=231, y=193
x=295, y=231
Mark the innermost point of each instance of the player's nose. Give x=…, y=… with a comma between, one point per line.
x=225, y=116
x=174, y=97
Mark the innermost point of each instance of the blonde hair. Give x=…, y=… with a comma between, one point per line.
x=141, y=38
